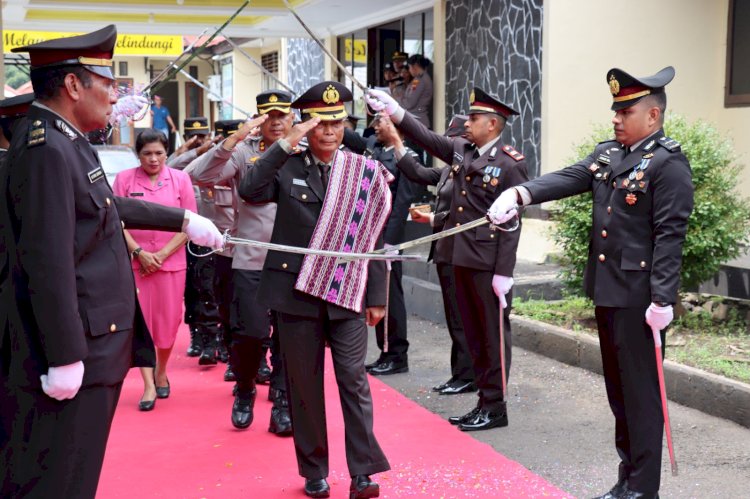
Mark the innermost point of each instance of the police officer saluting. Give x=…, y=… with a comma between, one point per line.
x=483, y=258
x=75, y=327
x=643, y=196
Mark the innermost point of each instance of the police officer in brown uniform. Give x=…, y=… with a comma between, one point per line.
x=230, y=161
x=75, y=327
x=642, y=198
x=483, y=258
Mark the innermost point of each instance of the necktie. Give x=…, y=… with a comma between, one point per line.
x=325, y=173
x=627, y=150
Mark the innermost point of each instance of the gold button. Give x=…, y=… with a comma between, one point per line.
x=112, y=328
x=643, y=265
x=284, y=265
x=609, y=210
x=304, y=196
x=463, y=193
x=460, y=209
x=458, y=224
x=602, y=258
x=492, y=236
x=604, y=234
x=468, y=178
x=614, y=184
x=123, y=225
x=108, y=201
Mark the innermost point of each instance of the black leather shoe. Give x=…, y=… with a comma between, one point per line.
x=162, y=392
x=439, y=387
x=208, y=356
x=229, y=374
x=363, y=487
x=242, y=410
x=389, y=367
x=632, y=494
x=375, y=364
x=317, y=487
x=458, y=386
x=194, y=350
x=617, y=491
x=264, y=373
x=222, y=354
x=281, y=421
x=456, y=420
x=484, y=420
x=146, y=405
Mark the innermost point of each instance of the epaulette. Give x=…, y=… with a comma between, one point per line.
x=669, y=144
x=608, y=141
x=65, y=129
x=37, y=133
x=510, y=151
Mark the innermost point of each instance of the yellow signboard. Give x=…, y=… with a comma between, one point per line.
x=360, y=51
x=142, y=45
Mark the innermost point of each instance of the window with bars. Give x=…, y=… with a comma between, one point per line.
x=270, y=62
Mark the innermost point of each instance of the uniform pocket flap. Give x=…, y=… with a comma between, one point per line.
x=108, y=319
x=486, y=234
x=287, y=262
x=303, y=193
x=223, y=197
x=636, y=259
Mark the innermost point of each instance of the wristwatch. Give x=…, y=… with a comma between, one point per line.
x=134, y=254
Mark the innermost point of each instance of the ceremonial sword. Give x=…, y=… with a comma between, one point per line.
x=663, y=393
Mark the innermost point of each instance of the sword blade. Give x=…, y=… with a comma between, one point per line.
x=663, y=393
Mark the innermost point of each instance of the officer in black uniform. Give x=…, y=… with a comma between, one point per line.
x=296, y=182
x=75, y=327
x=643, y=195
x=483, y=258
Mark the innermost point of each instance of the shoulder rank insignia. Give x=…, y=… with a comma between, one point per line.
x=613, y=141
x=510, y=151
x=37, y=133
x=65, y=129
x=649, y=146
x=670, y=144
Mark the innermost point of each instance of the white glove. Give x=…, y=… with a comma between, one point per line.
x=659, y=317
x=63, y=382
x=382, y=102
x=127, y=107
x=501, y=285
x=504, y=208
x=203, y=232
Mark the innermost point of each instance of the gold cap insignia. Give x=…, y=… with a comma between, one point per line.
x=196, y=124
x=471, y=98
x=37, y=123
x=614, y=85
x=331, y=95
x=273, y=98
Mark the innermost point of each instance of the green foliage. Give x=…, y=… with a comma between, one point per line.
x=14, y=76
x=717, y=228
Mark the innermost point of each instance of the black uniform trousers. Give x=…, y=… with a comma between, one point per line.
x=398, y=345
x=58, y=449
x=191, y=291
x=480, y=314
x=213, y=284
x=250, y=327
x=302, y=350
x=632, y=383
x=278, y=375
x=461, y=366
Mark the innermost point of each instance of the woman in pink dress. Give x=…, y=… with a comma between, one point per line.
x=159, y=262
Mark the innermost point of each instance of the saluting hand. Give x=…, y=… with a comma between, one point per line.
x=246, y=129
x=208, y=144
x=299, y=130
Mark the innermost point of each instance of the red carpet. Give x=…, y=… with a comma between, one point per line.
x=187, y=448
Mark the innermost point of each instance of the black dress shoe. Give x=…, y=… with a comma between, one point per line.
x=229, y=374
x=242, y=410
x=317, y=487
x=162, y=392
x=439, y=387
x=389, y=367
x=208, y=356
x=264, y=373
x=363, y=487
x=194, y=350
x=375, y=364
x=281, y=420
x=458, y=386
x=617, y=491
x=222, y=354
x=485, y=420
x=456, y=420
x=146, y=405
x=632, y=494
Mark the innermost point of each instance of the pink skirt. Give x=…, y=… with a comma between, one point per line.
x=161, y=297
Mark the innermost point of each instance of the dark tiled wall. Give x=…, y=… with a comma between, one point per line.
x=306, y=63
x=497, y=46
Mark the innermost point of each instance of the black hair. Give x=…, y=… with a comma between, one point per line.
x=47, y=82
x=418, y=59
x=658, y=100
x=150, y=136
x=6, y=124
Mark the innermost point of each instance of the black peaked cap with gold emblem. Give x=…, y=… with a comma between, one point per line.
x=93, y=51
x=196, y=125
x=325, y=101
x=227, y=127
x=16, y=106
x=627, y=89
x=456, y=126
x=274, y=100
x=481, y=102
x=399, y=56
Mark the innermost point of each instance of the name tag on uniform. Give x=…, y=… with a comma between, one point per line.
x=300, y=181
x=96, y=175
x=136, y=194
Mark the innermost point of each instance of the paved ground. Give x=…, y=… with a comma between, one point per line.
x=561, y=427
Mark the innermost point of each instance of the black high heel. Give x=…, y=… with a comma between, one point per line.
x=146, y=405
x=162, y=392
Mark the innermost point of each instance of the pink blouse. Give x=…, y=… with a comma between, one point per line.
x=172, y=188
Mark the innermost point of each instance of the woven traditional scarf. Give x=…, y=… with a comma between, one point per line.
x=355, y=209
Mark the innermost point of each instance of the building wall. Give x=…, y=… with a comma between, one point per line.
x=497, y=45
x=305, y=63
x=247, y=79
x=583, y=40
